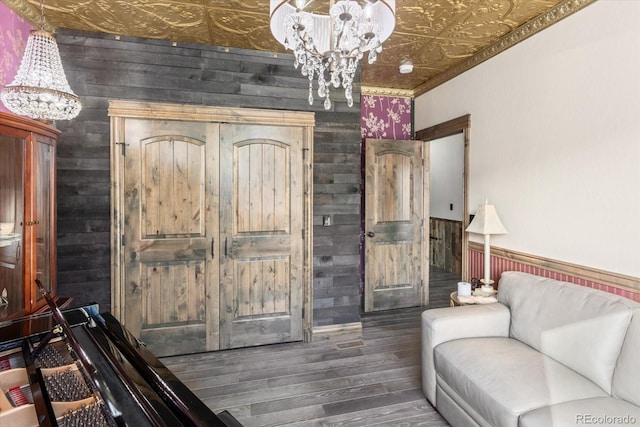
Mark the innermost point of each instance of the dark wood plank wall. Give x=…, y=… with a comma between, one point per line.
x=445, y=248
x=100, y=68
x=337, y=189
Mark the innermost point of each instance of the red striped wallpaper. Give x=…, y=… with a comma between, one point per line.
x=499, y=264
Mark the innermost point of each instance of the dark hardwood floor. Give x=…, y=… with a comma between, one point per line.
x=373, y=381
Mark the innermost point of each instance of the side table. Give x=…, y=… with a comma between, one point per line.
x=454, y=301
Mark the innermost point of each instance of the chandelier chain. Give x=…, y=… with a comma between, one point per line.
x=42, y=21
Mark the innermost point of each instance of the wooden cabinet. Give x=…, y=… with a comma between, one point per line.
x=27, y=213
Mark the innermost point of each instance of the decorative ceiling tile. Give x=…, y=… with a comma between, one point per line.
x=441, y=37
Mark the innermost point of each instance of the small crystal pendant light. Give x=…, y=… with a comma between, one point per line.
x=40, y=89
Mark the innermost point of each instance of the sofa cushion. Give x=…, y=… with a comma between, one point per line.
x=626, y=377
x=502, y=378
x=580, y=327
x=600, y=411
x=446, y=324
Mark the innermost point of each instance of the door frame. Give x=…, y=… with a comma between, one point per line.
x=119, y=110
x=462, y=125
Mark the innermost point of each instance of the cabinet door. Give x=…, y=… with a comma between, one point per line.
x=12, y=173
x=261, y=219
x=170, y=235
x=42, y=222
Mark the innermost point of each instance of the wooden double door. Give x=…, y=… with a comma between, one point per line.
x=213, y=245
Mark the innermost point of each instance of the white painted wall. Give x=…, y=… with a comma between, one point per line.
x=555, y=137
x=446, y=177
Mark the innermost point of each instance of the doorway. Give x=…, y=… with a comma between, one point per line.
x=448, y=244
x=446, y=201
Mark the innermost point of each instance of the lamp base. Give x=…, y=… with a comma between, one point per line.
x=487, y=285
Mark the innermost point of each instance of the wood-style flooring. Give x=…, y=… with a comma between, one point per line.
x=373, y=381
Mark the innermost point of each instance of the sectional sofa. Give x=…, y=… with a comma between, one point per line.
x=548, y=353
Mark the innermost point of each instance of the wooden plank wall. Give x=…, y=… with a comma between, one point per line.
x=445, y=247
x=100, y=68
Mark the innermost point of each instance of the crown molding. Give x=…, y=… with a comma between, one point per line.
x=521, y=33
x=386, y=91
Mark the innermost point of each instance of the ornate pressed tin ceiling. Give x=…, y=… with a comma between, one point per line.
x=441, y=37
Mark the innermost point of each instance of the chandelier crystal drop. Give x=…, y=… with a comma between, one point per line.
x=40, y=89
x=329, y=47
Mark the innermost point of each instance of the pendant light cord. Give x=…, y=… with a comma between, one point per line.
x=42, y=14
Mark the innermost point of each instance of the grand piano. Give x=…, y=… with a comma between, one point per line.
x=83, y=368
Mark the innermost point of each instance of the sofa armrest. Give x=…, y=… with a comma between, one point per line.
x=445, y=324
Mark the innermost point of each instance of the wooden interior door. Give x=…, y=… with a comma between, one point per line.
x=396, y=204
x=262, y=232
x=170, y=230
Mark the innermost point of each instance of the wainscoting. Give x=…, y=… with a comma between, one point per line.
x=445, y=245
x=507, y=260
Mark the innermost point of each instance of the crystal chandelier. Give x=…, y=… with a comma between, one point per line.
x=329, y=47
x=40, y=89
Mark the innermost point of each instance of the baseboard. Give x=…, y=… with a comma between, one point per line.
x=337, y=333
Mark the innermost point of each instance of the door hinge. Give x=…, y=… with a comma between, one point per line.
x=124, y=147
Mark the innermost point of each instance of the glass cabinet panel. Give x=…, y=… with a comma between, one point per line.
x=43, y=191
x=12, y=164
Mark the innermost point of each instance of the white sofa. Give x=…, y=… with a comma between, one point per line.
x=548, y=353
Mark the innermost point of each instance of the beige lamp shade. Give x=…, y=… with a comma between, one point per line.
x=486, y=221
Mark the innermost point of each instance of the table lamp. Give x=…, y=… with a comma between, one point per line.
x=486, y=222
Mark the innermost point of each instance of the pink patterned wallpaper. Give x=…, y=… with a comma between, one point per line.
x=499, y=264
x=385, y=117
x=14, y=32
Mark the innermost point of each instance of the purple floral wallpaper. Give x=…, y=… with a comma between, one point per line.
x=385, y=117
x=14, y=32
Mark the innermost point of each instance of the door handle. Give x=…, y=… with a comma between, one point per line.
x=213, y=242
x=225, y=246
x=371, y=234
